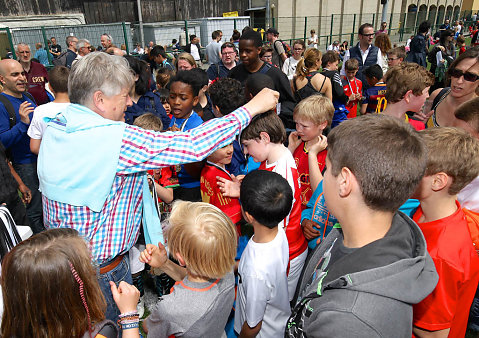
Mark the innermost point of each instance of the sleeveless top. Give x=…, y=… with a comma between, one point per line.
x=308, y=89
x=432, y=122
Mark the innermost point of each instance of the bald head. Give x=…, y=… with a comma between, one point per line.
x=12, y=77
x=115, y=51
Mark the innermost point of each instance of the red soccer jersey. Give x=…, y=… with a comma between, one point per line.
x=450, y=246
x=210, y=192
x=352, y=87
x=286, y=167
x=301, y=158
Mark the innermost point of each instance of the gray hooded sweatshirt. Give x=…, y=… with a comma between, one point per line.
x=368, y=292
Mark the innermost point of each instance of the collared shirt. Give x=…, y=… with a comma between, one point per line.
x=364, y=55
x=114, y=229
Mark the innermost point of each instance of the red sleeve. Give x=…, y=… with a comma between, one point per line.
x=437, y=310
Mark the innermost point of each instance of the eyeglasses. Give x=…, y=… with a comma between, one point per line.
x=228, y=53
x=298, y=49
x=368, y=35
x=457, y=73
x=392, y=59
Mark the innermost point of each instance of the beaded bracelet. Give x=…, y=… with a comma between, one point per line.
x=131, y=313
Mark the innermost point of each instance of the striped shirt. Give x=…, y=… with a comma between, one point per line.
x=114, y=229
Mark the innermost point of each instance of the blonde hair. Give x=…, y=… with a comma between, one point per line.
x=310, y=58
x=187, y=57
x=204, y=236
x=149, y=121
x=315, y=108
x=454, y=152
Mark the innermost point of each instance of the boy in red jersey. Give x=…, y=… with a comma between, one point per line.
x=216, y=167
x=312, y=115
x=352, y=86
x=263, y=140
x=451, y=165
x=408, y=88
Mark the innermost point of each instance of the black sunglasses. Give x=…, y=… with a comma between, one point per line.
x=457, y=73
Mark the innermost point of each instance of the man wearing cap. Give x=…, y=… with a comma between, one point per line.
x=279, y=54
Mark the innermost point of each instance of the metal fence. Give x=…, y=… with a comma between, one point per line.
x=339, y=27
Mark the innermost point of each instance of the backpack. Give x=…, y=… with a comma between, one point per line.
x=12, y=117
x=286, y=47
x=472, y=219
x=61, y=60
x=9, y=236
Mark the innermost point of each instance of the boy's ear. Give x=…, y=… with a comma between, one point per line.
x=407, y=96
x=196, y=99
x=264, y=137
x=216, y=111
x=180, y=259
x=346, y=181
x=247, y=216
x=440, y=181
x=323, y=125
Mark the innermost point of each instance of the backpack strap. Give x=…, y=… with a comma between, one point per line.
x=265, y=68
x=12, y=118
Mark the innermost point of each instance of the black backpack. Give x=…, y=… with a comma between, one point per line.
x=61, y=60
x=9, y=236
x=12, y=117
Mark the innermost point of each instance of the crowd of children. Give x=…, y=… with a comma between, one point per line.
x=317, y=187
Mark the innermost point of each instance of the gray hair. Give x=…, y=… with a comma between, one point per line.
x=108, y=36
x=98, y=71
x=69, y=39
x=82, y=42
x=21, y=44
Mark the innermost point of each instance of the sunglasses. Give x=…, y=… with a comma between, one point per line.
x=457, y=73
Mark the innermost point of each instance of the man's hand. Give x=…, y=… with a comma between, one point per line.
x=174, y=128
x=308, y=229
x=230, y=188
x=293, y=141
x=265, y=100
x=26, y=193
x=155, y=256
x=25, y=109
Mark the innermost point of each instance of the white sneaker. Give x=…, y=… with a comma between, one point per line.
x=140, y=307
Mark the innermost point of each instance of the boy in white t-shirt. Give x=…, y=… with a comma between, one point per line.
x=263, y=140
x=58, y=82
x=262, y=306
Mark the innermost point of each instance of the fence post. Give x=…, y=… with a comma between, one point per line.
x=234, y=21
x=352, y=33
x=45, y=41
x=390, y=23
x=273, y=20
x=125, y=36
x=305, y=27
x=331, y=30
x=186, y=32
x=374, y=20
x=12, y=47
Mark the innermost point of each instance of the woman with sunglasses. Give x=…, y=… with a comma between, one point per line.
x=464, y=76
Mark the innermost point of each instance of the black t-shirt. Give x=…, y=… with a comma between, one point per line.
x=56, y=49
x=281, y=84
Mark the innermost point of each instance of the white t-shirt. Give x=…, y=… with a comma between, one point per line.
x=195, y=52
x=263, y=287
x=37, y=126
x=469, y=196
x=313, y=41
x=289, y=67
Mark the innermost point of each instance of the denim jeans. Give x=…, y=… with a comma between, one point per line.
x=28, y=174
x=120, y=273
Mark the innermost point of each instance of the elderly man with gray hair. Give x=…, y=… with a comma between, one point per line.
x=92, y=166
x=83, y=48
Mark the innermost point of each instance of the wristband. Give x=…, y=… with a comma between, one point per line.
x=128, y=326
x=126, y=314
